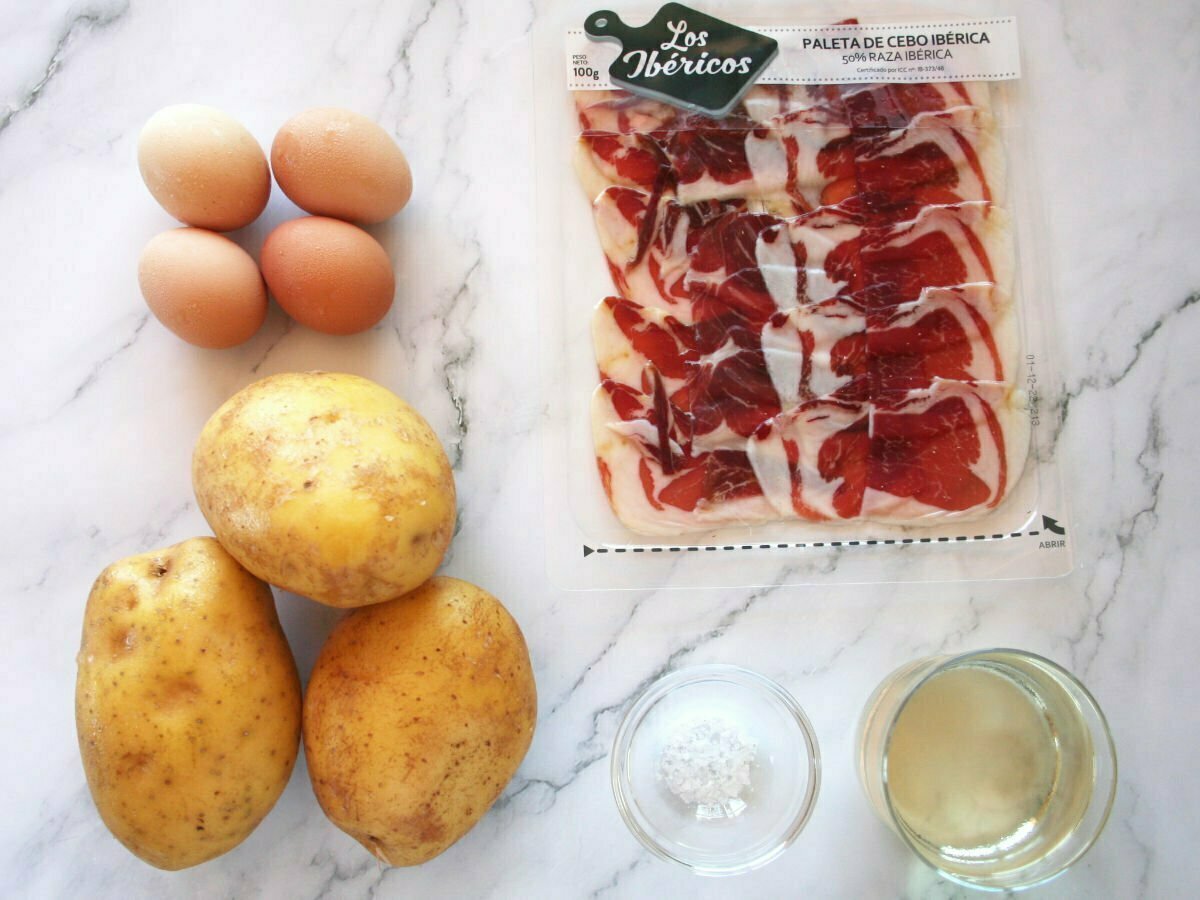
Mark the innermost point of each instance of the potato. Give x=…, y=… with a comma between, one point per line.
x=417, y=715
x=327, y=485
x=187, y=702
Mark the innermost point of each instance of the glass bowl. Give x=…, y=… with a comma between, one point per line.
x=765, y=817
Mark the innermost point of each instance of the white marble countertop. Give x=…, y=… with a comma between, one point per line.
x=103, y=406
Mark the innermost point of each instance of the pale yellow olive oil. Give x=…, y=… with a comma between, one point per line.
x=988, y=765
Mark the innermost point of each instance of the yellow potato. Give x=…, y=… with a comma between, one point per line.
x=327, y=485
x=417, y=715
x=187, y=702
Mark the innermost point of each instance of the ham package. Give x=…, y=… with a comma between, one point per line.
x=812, y=309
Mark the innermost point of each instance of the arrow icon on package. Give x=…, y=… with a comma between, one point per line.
x=1052, y=525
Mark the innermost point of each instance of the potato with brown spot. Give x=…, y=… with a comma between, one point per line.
x=327, y=485
x=417, y=715
x=187, y=703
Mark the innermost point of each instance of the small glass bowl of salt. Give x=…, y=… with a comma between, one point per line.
x=716, y=767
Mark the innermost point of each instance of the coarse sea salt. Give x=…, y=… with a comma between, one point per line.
x=707, y=764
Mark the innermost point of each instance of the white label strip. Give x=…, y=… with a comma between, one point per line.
x=971, y=50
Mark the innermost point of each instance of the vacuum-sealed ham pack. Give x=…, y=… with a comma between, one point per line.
x=796, y=324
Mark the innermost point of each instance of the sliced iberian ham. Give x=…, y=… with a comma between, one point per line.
x=685, y=259
x=710, y=380
x=720, y=380
x=937, y=158
x=817, y=350
x=663, y=490
x=942, y=246
x=705, y=259
x=648, y=241
x=871, y=108
x=813, y=316
x=875, y=149
x=620, y=112
x=949, y=448
x=746, y=266
x=811, y=462
x=964, y=333
x=863, y=107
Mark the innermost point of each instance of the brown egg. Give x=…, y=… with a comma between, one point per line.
x=329, y=275
x=334, y=162
x=203, y=287
x=203, y=167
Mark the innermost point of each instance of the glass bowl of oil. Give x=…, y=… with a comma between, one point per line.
x=996, y=767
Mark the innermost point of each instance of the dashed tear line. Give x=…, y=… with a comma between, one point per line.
x=805, y=545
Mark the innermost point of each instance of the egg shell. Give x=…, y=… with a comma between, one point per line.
x=328, y=275
x=203, y=287
x=334, y=162
x=204, y=167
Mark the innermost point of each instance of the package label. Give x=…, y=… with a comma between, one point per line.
x=969, y=50
x=684, y=57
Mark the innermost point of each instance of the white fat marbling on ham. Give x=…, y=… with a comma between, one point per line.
x=618, y=235
x=951, y=93
x=720, y=438
x=765, y=103
x=784, y=354
x=799, y=489
x=593, y=173
x=643, y=431
x=819, y=286
x=622, y=458
x=620, y=112
x=768, y=162
x=786, y=357
x=621, y=362
x=646, y=281
x=723, y=353
x=777, y=262
x=806, y=135
x=615, y=356
x=820, y=233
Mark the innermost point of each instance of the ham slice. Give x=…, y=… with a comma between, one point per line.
x=951, y=448
x=817, y=350
x=811, y=461
x=683, y=493
x=712, y=384
x=965, y=333
x=942, y=246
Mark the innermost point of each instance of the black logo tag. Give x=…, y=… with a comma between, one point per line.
x=684, y=57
